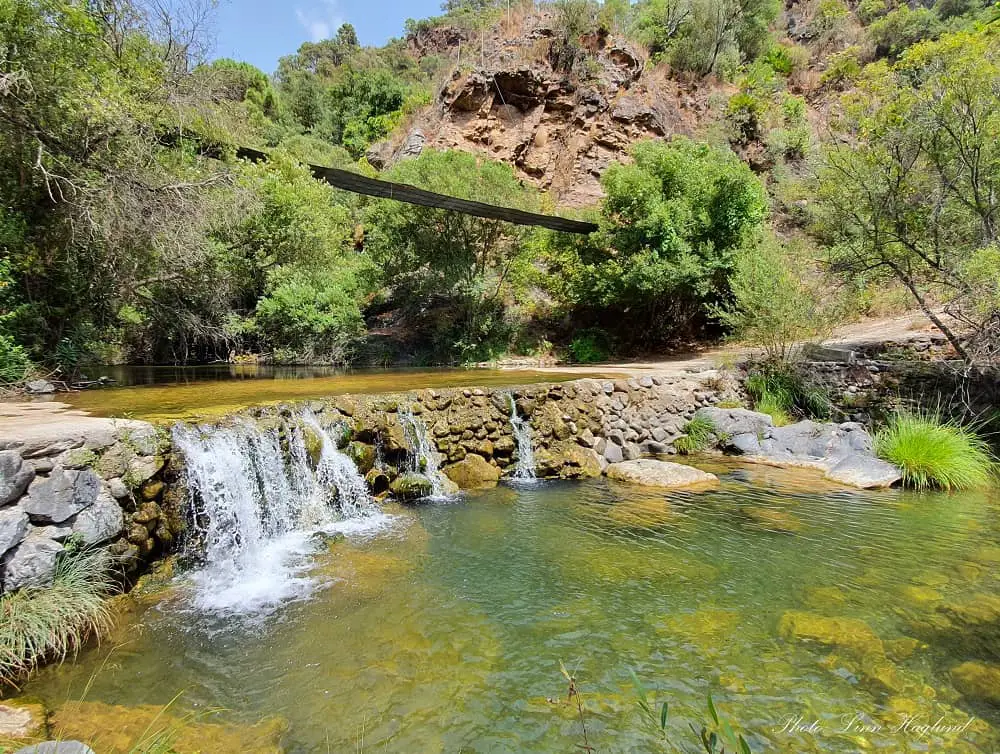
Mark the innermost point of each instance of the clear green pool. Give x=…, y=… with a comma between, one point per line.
x=444, y=630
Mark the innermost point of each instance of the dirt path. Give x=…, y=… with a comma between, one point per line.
x=894, y=329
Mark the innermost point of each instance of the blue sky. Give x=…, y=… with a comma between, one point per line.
x=261, y=31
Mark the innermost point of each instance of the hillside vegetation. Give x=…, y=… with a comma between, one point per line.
x=755, y=170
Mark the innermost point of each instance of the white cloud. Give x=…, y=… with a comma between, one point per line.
x=321, y=20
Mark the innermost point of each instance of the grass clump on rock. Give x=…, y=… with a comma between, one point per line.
x=49, y=623
x=935, y=453
x=698, y=436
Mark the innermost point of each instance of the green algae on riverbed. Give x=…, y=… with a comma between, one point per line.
x=199, y=398
x=445, y=632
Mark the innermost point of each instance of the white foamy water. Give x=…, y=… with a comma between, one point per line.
x=258, y=508
x=524, y=469
x=423, y=458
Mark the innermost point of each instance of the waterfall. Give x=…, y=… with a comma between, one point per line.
x=255, y=509
x=521, y=426
x=424, y=457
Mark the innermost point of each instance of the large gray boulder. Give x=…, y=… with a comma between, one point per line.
x=15, y=476
x=100, y=522
x=651, y=473
x=13, y=528
x=61, y=495
x=31, y=563
x=731, y=422
x=864, y=471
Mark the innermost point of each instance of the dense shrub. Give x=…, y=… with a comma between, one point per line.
x=902, y=28
x=934, y=453
x=14, y=362
x=672, y=225
x=779, y=387
x=698, y=436
x=590, y=347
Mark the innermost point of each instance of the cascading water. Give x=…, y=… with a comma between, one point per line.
x=524, y=469
x=256, y=508
x=424, y=458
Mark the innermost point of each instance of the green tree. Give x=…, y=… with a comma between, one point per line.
x=769, y=305
x=464, y=267
x=672, y=225
x=910, y=189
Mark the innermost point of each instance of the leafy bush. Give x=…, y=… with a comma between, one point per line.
x=590, y=347
x=770, y=307
x=39, y=624
x=902, y=28
x=934, y=453
x=14, y=362
x=780, y=387
x=698, y=436
x=842, y=67
x=672, y=224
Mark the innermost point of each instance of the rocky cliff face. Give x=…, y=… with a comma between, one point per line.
x=507, y=101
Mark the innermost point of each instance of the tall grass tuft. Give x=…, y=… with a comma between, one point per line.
x=698, y=436
x=935, y=453
x=774, y=407
x=780, y=387
x=39, y=624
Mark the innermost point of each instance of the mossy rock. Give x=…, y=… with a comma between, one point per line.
x=977, y=681
x=314, y=445
x=362, y=454
x=410, y=486
x=473, y=472
x=847, y=633
x=113, y=729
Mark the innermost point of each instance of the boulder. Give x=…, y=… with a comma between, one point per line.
x=100, y=522
x=411, y=486
x=652, y=473
x=15, y=476
x=61, y=495
x=13, y=528
x=40, y=387
x=144, y=468
x=580, y=463
x=473, y=472
x=977, y=681
x=847, y=633
x=864, y=471
x=20, y=720
x=731, y=422
x=363, y=455
x=31, y=563
x=57, y=747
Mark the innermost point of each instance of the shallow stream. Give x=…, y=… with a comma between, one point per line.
x=441, y=627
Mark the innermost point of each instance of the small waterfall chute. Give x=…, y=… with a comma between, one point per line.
x=524, y=469
x=255, y=507
x=423, y=458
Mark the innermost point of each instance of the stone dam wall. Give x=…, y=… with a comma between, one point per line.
x=122, y=487
x=120, y=483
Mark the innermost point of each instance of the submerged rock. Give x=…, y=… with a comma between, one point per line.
x=119, y=729
x=770, y=519
x=652, y=473
x=21, y=720
x=473, y=472
x=411, y=486
x=977, y=681
x=848, y=633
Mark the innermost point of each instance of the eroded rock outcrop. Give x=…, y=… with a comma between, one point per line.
x=843, y=451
